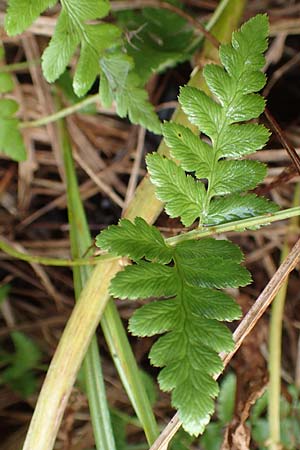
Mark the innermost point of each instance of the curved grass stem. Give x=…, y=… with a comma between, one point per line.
x=112, y=326
x=61, y=113
x=275, y=343
x=46, y=261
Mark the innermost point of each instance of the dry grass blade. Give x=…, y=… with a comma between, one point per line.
x=283, y=139
x=136, y=166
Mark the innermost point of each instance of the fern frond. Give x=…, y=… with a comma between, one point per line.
x=217, y=175
x=189, y=317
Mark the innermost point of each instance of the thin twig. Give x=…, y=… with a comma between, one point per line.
x=264, y=300
x=103, y=186
x=66, y=112
x=9, y=249
x=280, y=72
x=283, y=139
x=136, y=166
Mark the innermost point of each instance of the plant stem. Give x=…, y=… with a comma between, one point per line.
x=10, y=250
x=238, y=225
x=19, y=66
x=217, y=14
x=275, y=344
x=65, y=364
x=62, y=113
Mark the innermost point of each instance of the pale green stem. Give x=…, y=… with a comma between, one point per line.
x=19, y=66
x=217, y=14
x=275, y=344
x=237, y=226
x=62, y=113
x=91, y=261
x=68, y=357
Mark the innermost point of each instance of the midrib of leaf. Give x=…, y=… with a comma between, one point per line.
x=180, y=293
x=215, y=145
x=184, y=310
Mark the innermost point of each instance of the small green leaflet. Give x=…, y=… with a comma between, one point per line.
x=21, y=13
x=136, y=240
x=144, y=280
x=120, y=82
x=236, y=207
x=182, y=194
x=11, y=141
x=72, y=30
x=6, y=83
x=188, y=312
x=210, y=193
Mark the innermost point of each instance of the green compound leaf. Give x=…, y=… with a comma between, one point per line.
x=137, y=240
x=100, y=54
x=72, y=30
x=189, y=319
x=186, y=281
x=21, y=14
x=210, y=194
